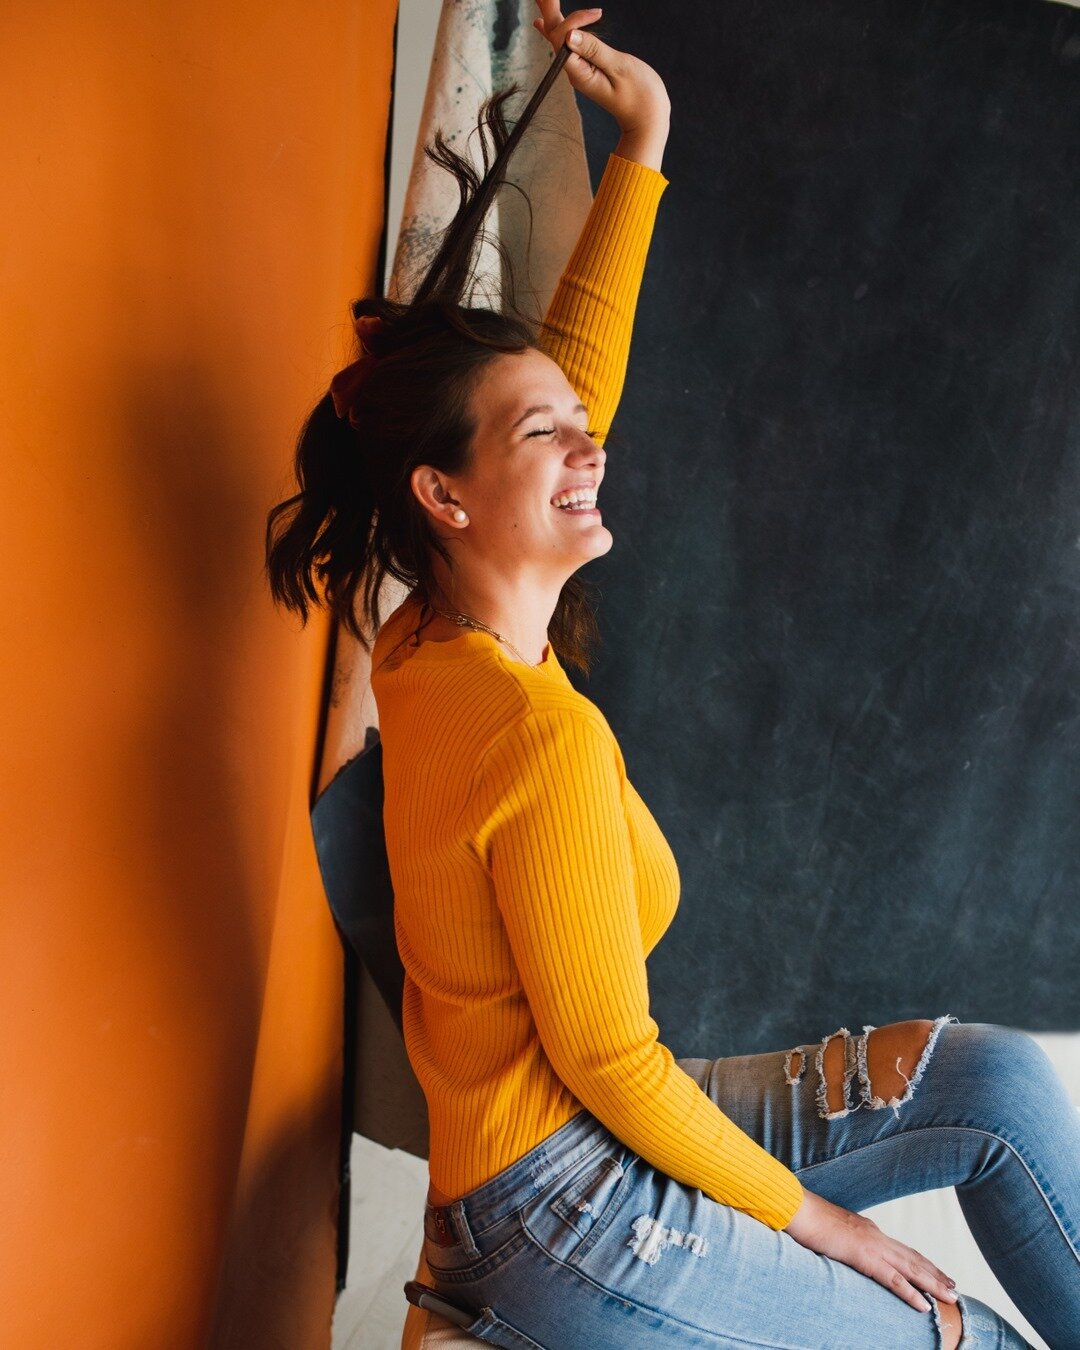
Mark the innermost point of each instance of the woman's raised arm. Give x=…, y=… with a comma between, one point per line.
x=589, y=323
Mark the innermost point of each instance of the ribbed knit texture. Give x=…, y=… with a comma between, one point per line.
x=530, y=879
x=589, y=323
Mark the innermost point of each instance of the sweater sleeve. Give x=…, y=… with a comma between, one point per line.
x=590, y=320
x=556, y=842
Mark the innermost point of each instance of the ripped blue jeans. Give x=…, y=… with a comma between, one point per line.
x=583, y=1245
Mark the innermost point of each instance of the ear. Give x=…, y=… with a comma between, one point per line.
x=431, y=490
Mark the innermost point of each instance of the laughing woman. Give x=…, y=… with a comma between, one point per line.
x=588, y=1189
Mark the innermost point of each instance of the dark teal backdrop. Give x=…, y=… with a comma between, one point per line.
x=842, y=611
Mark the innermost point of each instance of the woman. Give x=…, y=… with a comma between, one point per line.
x=588, y=1190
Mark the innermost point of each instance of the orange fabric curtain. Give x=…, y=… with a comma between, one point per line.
x=192, y=195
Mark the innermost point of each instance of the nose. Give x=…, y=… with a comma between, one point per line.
x=587, y=451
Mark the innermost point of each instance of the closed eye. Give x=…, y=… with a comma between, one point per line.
x=550, y=431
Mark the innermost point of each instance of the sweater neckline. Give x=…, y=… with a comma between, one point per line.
x=449, y=648
x=470, y=640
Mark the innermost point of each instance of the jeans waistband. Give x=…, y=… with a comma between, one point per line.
x=478, y=1209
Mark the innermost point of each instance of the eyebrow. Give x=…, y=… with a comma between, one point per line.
x=545, y=407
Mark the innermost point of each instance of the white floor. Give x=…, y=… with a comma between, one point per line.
x=388, y=1188
x=386, y=1230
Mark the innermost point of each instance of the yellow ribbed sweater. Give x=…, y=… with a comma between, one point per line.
x=530, y=879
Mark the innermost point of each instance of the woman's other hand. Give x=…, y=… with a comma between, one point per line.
x=631, y=91
x=856, y=1240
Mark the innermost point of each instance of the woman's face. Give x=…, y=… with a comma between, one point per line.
x=530, y=446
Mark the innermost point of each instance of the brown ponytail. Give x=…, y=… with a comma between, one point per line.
x=355, y=518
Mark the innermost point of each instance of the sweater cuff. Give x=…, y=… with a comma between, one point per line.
x=629, y=171
x=629, y=188
x=783, y=1198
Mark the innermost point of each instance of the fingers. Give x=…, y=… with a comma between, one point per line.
x=929, y=1278
x=588, y=47
x=910, y=1275
x=551, y=14
x=556, y=29
x=624, y=86
x=892, y=1279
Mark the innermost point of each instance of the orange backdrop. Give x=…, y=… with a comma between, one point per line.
x=192, y=194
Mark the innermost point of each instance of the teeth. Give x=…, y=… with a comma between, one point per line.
x=581, y=495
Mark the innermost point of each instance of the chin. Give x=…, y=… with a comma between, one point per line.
x=593, y=544
x=600, y=544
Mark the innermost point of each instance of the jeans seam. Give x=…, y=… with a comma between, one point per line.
x=967, y=1129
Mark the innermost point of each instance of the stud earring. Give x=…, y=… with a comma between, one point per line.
x=459, y=515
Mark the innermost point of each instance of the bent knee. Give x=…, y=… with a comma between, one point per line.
x=997, y=1050
x=1005, y=1079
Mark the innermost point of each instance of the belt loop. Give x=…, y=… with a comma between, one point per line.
x=461, y=1226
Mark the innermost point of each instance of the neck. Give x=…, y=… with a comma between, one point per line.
x=520, y=615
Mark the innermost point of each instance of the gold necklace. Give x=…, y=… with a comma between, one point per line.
x=466, y=621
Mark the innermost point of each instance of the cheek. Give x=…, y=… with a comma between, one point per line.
x=527, y=507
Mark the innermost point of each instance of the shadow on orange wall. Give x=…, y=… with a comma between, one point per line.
x=192, y=197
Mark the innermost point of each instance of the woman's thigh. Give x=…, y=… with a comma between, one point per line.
x=832, y=1099
x=641, y=1259
x=972, y=1084
x=672, y=1267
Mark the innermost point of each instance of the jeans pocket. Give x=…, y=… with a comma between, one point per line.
x=567, y=1222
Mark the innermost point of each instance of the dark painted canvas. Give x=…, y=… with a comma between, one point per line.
x=841, y=615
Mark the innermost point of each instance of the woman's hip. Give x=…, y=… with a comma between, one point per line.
x=609, y=1253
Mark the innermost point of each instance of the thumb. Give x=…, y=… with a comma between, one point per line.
x=585, y=75
x=588, y=49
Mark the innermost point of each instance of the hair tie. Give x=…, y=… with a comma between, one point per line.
x=344, y=385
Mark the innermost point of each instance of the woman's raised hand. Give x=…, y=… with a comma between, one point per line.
x=857, y=1241
x=631, y=91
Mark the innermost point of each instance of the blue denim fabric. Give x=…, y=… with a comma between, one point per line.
x=582, y=1245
